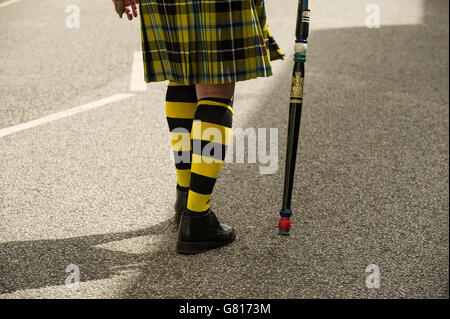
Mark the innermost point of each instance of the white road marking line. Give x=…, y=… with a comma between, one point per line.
x=63, y=114
x=137, y=73
x=7, y=3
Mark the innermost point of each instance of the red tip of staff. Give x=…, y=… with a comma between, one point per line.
x=284, y=225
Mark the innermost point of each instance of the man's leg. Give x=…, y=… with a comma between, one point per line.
x=210, y=136
x=225, y=91
x=181, y=102
x=211, y=132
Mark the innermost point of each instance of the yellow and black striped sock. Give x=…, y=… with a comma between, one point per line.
x=181, y=102
x=211, y=133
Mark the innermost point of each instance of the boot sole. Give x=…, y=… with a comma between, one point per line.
x=190, y=248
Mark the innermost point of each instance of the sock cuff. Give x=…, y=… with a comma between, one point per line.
x=228, y=102
x=211, y=102
x=181, y=93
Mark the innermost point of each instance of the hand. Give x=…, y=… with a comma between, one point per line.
x=131, y=8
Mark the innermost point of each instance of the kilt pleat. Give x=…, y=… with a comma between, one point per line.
x=206, y=41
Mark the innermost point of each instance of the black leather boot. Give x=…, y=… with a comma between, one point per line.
x=180, y=205
x=199, y=233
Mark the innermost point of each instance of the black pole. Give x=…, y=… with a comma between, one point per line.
x=295, y=112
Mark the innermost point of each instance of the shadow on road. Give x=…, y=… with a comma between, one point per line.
x=42, y=263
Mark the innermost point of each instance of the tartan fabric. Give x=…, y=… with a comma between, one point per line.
x=206, y=41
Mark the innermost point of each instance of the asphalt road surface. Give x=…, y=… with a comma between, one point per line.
x=96, y=189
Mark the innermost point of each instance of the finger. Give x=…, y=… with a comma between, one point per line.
x=135, y=8
x=128, y=13
x=128, y=9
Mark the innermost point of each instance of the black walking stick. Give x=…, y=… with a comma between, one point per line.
x=295, y=112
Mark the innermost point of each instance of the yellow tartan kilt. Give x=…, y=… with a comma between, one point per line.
x=206, y=41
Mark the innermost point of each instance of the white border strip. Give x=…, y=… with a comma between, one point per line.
x=7, y=3
x=63, y=114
